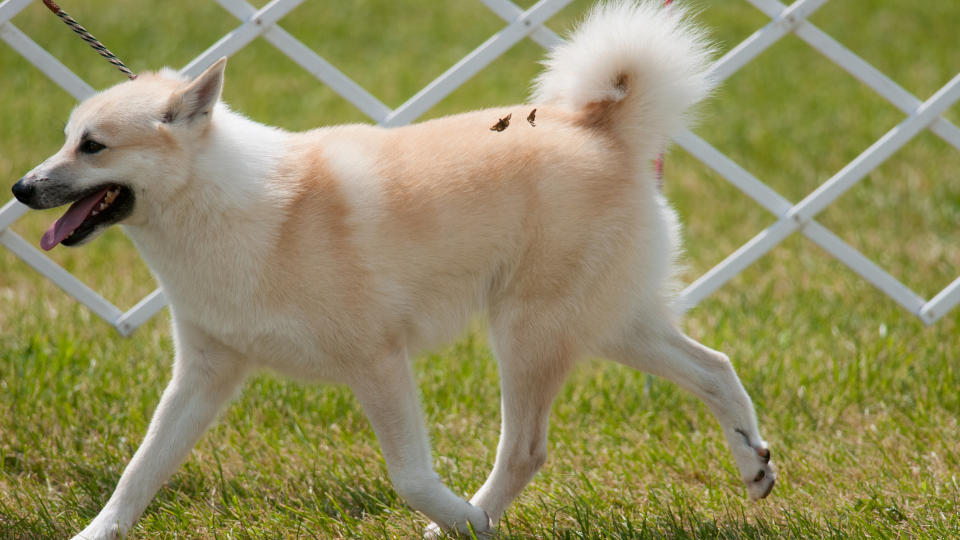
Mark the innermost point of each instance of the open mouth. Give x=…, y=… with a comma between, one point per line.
x=99, y=207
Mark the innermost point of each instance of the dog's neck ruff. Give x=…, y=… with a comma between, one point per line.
x=232, y=199
x=238, y=160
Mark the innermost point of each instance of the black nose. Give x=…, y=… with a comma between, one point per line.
x=23, y=191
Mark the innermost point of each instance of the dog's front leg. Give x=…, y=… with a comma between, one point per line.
x=205, y=376
x=388, y=395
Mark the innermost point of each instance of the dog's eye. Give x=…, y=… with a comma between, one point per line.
x=90, y=147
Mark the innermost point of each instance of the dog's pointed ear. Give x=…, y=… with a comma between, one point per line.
x=199, y=96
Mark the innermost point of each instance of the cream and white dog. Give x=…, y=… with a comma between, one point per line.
x=337, y=253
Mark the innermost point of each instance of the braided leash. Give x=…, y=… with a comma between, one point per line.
x=86, y=36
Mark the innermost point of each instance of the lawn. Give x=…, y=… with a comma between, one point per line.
x=858, y=399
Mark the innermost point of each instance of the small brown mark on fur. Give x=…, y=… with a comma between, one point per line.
x=532, y=117
x=622, y=81
x=502, y=124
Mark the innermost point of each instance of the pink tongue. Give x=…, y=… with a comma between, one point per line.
x=69, y=221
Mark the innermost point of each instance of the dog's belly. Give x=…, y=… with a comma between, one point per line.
x=290, y=352
x=287, y=355
x=281, y=342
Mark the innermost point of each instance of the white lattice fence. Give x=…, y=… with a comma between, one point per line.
x=529, y=23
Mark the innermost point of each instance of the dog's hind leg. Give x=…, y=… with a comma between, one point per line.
x=663, y=350
x=533, y=367
x=205, y=376
x=388, y=395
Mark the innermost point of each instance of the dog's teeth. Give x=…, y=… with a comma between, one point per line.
x=95, y=212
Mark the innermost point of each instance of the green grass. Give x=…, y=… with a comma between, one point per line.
x=858, y=399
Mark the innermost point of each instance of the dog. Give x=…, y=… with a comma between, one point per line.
x=337, y=253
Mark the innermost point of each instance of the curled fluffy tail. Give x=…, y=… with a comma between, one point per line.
x=634, y=67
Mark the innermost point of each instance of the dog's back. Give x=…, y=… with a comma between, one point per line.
x=557, y=215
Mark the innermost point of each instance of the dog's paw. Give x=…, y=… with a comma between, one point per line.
x=482, y=532
x=432, y=532
x=436, y=532
x=753, y=460
x=102, y=529
x=761, y=484
x=110, y=532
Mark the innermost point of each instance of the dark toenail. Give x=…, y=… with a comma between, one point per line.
x=760, y=476
x=764, y=453
x=769, y=489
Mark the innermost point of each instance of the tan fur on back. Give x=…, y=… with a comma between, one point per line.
x=461, y=219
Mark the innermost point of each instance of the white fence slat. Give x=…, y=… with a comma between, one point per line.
x=241, y=36
x=509, y=11
x=779, y=206
x=736, y=262
x=856, y=66
x=10, y=8
x=863, y=266
x=331, y=76
x=273, y=11
x=151, y=304
x=872, y=77
x=314, y=64
x=240, y=9
x=734, y=173
x=63, y=279
x=746, y=51
x=45, y=62
x=943, y=302
x=770, y=7
x=228, y=45
x=11, y=212
x=878, y=152
x=783, y=22
x=476, y=60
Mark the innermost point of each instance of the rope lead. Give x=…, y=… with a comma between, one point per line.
x=88, y=37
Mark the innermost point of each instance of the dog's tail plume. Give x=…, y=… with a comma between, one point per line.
x=633, y=67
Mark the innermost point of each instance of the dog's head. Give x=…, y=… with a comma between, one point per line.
x=125, y=148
